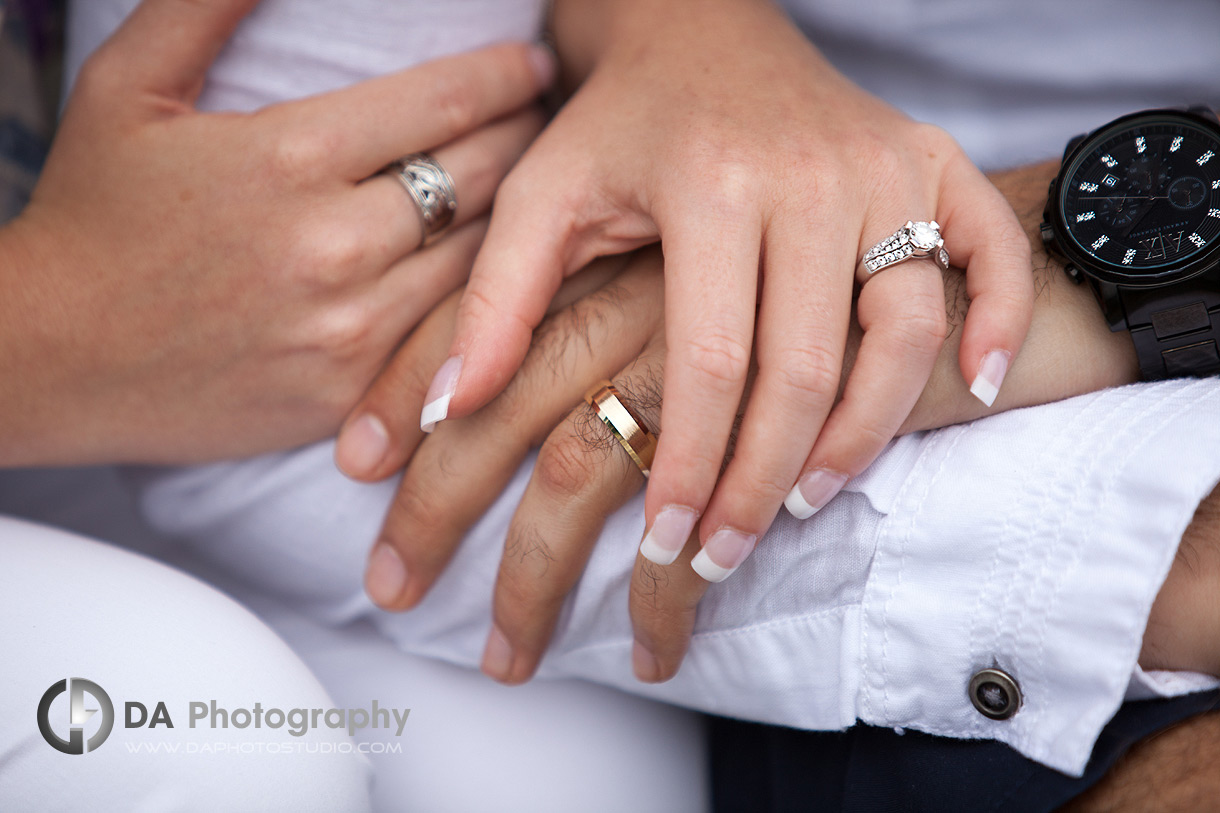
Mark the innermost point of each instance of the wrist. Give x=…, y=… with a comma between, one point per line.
x=1069, y=350
x=590, y=32
x=40, y=410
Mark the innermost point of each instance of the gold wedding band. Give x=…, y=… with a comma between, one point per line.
x=627, y=428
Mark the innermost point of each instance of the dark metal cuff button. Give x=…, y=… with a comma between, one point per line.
x=995, y=694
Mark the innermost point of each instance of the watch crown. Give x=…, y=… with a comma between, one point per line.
x=1048, y=233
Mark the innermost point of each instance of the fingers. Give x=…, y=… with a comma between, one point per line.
x=385, y=217
x=366, y=126
x=662, y=602
x=902, y=312
x=984, y=236
x=382, y=430
x=711, y=287
x=514, y=277
x=581, y=477
x=367, y=449
x=459, y=473
x=166, y=46
x=801, y=340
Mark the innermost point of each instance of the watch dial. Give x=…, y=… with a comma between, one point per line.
x=1146, y=196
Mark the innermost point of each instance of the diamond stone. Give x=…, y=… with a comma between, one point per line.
x=923, y=236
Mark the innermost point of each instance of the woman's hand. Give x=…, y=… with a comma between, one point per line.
x=718, y=128
x=187, y=286
x=582, y=475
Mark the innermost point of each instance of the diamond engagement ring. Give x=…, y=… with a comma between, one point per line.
x=917, y=239
x=431, y=189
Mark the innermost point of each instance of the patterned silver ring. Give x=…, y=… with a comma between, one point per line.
x=915, y=240
x=431, y=189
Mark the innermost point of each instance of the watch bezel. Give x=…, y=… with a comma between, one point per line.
x=1110, y=272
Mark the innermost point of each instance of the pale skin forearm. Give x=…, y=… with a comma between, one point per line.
x=585, y=31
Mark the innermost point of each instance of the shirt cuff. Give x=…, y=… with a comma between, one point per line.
x=1034, y=542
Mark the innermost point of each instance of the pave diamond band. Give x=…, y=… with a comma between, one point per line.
x=918, y=239
x=431, y=189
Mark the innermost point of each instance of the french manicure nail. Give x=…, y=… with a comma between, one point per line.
x=668, y=534
x=385, y=576
x=440, y=393
x=723, y=553
x=497, y=656
x=813, y=491
x=991, y=374
x=362, y=445
x=644, y=663
x=545, y=65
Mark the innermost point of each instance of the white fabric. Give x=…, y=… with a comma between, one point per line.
x=1044, y=561
x=1034, y=540
x=469, y=744
x=1013, y=80
x=145, y=633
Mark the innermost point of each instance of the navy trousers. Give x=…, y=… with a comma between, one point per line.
x=758, y=768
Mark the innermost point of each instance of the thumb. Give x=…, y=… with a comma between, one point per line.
x=166, y=46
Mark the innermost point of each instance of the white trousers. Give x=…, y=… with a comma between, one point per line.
x=141, y=632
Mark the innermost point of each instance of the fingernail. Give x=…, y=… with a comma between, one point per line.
x=361, y=447
x=644, y=664
x=440, y=393
x=987, y=383
x=497, y=656
x=813, y=491
x=545, y=65
x=723, y=553
x=668, y=534
x=386, y=575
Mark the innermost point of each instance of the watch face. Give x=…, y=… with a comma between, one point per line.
x=1140, y=201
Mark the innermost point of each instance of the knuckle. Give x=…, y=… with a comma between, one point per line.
x=526, y=580
x=875, y=153
x=935, y=140
x=343, y=332
x=332, y=257
x=726, y=184
x=867, y=441
x=718, y=358
x=1010, y=243
x=565, y=465
x=416, y=518
x=454, y=98
x=923, y=328
x=297, y=155
x=811, y=372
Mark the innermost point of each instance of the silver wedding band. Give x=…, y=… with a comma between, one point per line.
x=916, y=240
x=431, y=189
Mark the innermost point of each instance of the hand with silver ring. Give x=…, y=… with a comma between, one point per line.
x=188, y=285
x=766, y=176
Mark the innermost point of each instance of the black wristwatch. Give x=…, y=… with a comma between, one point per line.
x=1135, y=212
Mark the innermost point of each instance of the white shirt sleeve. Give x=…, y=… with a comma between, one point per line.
x=1034, y=541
